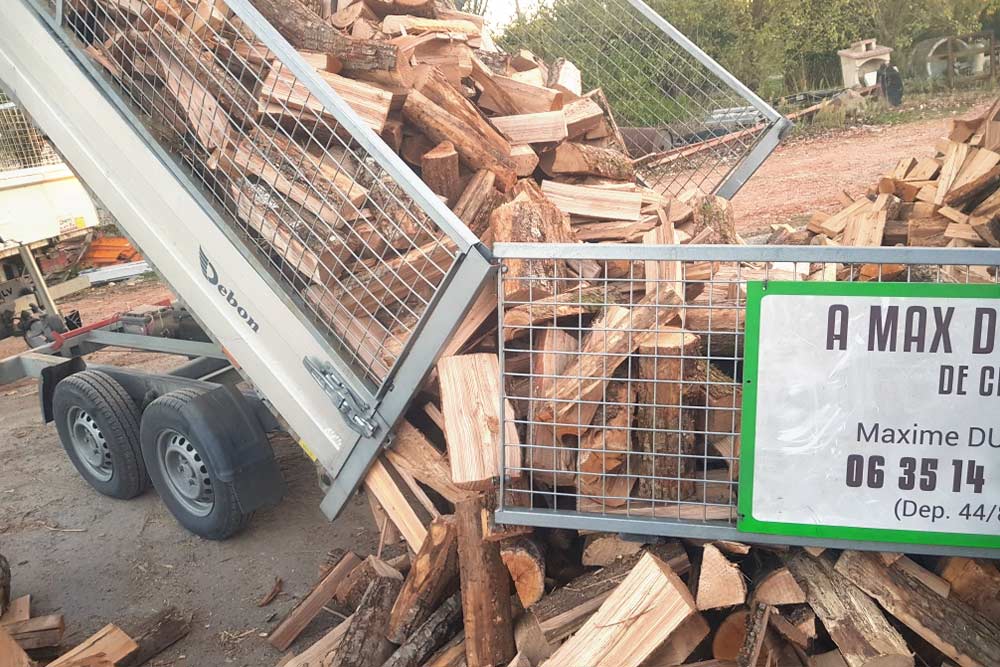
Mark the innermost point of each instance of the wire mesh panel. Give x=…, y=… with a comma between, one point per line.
x=22, y=145
x=623, y=371
x=291, y=173
x=687, y=122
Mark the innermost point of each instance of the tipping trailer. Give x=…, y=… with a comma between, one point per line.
x=322, y=359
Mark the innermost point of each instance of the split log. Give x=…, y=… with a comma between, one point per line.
x=382, y=485
x=478, y=201
x=681, y=644
x=559, y=614
x=489, y=634
x=855, y=623
x=525, y=97
x=431, y=579
x=38, y=632
x=642, y=612
x=613, y=337
x=577, y=159
x=757, y=624
x=158, y=633
x=778, y=588
x=525, y=562
x=424, y=8
x=604, y=448
x=304, y=29
x=665, y=471
x=975, y=582
x=19, y=610
x=720, y=583
x=604, y=550
x=469, y=389
x=310, y=606
x=283, y=95
x=412, y=453
x=439, y=170
x=353, y=587
x=441, y=126
x=582, y=116
x=550, y=461
x=533, y=128
x=364, y=643
x=596, y=203
x=12, y=654
x=109, y=642
x=730, y=636
x=949, y=625
x=565, y=76
x=439, y=627
x=531, y=222
x=525, y=160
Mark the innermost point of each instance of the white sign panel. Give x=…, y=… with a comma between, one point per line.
x=875, y=413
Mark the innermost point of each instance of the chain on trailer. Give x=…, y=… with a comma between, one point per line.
x=22, y=145
x=313, y=195
x=625, y=389
x=687, y=121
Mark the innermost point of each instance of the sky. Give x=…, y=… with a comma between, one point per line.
x=500, y=12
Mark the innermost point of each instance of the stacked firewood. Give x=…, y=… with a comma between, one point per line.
x=950, y=199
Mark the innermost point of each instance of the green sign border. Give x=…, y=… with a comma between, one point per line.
x=757, y=291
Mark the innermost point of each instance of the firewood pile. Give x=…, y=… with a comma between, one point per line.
x=27, y=640
x=596, y=600
x=950, y=199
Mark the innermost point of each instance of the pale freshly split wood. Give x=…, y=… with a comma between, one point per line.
x=720, y=583
x=111, y=641
x=565, y=76
x=525, y=561
x=413, y=453
x=431, y=579
x=949, y=625
x=19, y=609
x=478, y=201
x=604, y=449
x=486, y=607
x=327, y=644
x=855, y=623
x=730, y=636
x=594, y=202
x=311, y=605
x=642, y=612
x=954, y=159
x=551, y=462
x=681, y=644
x=525, y=97
x=778, y=588
x=397, y=24
x=525, y=159
x=835, y=224
x=12, y=655
x=469, y=389
x=582, y=116
x=380, y=483
x=576, y=159
x=533, y=128
x=282, y=90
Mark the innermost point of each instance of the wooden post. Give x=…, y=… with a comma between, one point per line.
x=489, y=633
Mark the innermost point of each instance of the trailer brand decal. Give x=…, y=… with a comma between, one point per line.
x=208, y=270
x=871, y=412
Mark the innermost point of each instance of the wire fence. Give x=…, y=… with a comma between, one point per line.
x=22, y=145
x=623, y=371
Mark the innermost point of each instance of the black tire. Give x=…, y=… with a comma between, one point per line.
x=98, y=424
x=165, y=436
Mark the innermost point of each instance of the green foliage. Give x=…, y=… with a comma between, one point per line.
x=772, y=45
x=472, y=6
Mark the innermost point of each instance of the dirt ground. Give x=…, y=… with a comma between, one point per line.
x=97, y=560
x=807, y=174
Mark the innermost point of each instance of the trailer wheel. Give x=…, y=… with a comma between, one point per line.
x=182, y=476
x=98, y=424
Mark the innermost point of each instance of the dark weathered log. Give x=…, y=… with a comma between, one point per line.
x=364, y=643
x=304, y=29
x=432, y=576
x=156, y=634
x=430, y=636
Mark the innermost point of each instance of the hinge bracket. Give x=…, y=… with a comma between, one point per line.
x=355, y=411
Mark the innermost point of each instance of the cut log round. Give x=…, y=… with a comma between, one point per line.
x=730, y=636
x=526, y=563
x=779, y=588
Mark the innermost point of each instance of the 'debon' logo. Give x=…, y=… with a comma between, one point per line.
x=212, y=276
